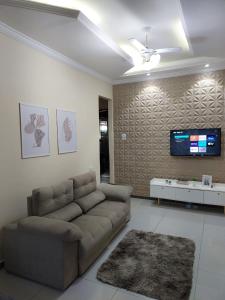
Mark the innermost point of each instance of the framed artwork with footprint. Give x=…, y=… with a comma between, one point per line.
x=67, y=131
x=34, y=128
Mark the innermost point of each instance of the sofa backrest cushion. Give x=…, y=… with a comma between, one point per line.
x=84, y=184
x=48, y=199
x=89, y=201
x=67, y=213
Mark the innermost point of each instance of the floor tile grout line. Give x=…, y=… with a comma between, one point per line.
x=201, y=241
x=105, y=284
x=114, y=293
x=157, y=225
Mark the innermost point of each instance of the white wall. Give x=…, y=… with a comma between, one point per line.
x=30, y=76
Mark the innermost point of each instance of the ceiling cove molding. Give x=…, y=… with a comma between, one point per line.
x=175, y=73
x=70, y=13
x=185, y=27
x=42, y=7
x=19, y=36
x=103, y=37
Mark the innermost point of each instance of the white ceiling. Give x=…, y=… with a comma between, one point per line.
x=197, y=26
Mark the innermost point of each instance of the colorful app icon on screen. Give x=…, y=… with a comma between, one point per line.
x=202, y=137
x=194, y=149
x=202, y=149
x=194, y=138
x=194, y=144
x=202, y=143
x=211, y=138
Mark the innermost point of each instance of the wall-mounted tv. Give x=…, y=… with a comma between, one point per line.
x=195, y=142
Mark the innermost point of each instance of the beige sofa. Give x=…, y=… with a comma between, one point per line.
x=68, y=226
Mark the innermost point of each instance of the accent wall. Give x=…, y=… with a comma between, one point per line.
x=147, y=111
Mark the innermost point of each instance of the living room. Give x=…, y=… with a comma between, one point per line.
x=160, y=66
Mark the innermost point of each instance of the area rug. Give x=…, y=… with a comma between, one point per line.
x=155, y=265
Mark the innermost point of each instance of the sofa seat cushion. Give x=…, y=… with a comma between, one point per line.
x=50, y=198
x=115, y=211
x=91, y=200
x=96, y=231
x=67, y=213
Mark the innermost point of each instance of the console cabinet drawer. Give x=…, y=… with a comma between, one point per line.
x=214, y=198
x=162, y=192
x=189, y=195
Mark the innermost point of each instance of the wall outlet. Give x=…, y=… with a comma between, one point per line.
x=123, y=136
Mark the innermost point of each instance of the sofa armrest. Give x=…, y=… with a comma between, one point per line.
x=120, y=193
x=43, y=250
x=65, y=231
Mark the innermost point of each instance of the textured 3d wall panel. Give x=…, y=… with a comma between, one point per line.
x=147, y=111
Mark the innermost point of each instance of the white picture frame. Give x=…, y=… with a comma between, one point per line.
x=34, y=130
x=66, y=131
x=207, y=180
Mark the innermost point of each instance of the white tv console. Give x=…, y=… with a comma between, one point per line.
x=187, y=191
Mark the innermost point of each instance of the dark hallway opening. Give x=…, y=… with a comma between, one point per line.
x=104, y=139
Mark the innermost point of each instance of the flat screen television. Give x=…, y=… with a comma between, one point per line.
x=195, y=142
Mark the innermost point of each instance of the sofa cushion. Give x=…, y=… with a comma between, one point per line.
x=116, y=192
x=96, y=232
x=67, y=213
x=115, y=211
x=91, y=200
x=84, y=184
x=41, y=226
x=48, y=199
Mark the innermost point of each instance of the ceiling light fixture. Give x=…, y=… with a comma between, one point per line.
x=148, y=74
x=206, y=65
x=144, y=57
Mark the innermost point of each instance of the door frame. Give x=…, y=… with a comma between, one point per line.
x=111, y=139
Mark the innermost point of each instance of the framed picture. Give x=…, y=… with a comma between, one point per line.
x=207, y=180
x=67, y=131
x=34, y=128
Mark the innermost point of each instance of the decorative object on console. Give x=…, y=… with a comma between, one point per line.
x=34, y=128
x=207, y=180
x=155, y=265
x=67, y=132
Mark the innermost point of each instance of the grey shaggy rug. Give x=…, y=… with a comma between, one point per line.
x=155, y=265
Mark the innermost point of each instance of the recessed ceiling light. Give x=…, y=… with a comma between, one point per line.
x=148, y=74
x=206, y=65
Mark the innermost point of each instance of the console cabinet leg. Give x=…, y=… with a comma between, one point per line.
x=224, y=209
x=158, y=201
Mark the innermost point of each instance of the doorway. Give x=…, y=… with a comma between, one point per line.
x=104, y=140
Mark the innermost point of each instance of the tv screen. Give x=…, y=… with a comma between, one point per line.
x=195, y=142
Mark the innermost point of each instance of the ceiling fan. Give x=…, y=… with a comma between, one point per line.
x=148, y=54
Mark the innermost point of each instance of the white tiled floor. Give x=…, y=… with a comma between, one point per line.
x=205, y=228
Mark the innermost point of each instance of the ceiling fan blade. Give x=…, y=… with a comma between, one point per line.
x=168, y=50
x=139, y=46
